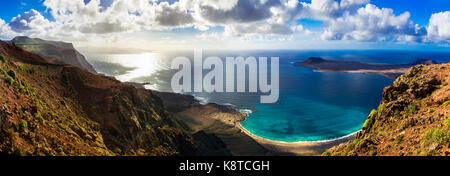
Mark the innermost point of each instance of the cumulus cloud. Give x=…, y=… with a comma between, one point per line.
x=172, y=15
x=329, y=9
x=439, y=27
x=28, y=21
x=243, y=11
x=371, y=23
x=342, y=20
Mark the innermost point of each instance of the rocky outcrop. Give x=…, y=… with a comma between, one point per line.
x=54, y=52
x=413, y=117
x=49, y=109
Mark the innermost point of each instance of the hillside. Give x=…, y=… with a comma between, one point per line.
x=54, y=52
x=49, y=109
x=413, y=117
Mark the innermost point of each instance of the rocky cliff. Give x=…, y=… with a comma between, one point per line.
x=54, y=52
x=413, y=117
x=50, y=109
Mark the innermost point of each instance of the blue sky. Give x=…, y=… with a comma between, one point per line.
x=420, y=10
x=316, y=24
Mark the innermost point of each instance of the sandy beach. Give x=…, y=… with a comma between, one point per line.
x=297, y=148
x=224, y=122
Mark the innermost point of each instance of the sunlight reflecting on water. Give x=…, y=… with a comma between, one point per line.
x=135, y=66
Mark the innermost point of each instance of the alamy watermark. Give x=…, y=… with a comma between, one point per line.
x=213, y=81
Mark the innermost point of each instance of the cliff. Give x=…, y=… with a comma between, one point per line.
x=54, y=52
x=413, y=117
x=51, y=109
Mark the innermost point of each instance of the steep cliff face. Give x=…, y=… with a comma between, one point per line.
x=48, y=109
x=54, y=52
x=413, y=117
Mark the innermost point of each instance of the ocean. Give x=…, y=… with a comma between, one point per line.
x=313, y=106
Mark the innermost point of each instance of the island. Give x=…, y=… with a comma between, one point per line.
x=389, y=70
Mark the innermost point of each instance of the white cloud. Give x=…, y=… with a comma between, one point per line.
x=439, y=27
x=31, y=20
x=370, y=23
x=172, y=15
x=250, y=19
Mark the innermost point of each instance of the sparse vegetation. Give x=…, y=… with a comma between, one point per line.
x=3, y=71
x=21, y=69
x=408, y=112
x=23, y=124
x=446, y=103
x=9, y=80
x=436, y=136
x=40, y=118
x=446, y=123
x=366, y=123
x=373, y=112
x=326, y=153
x=3, y=58
x=398, y=139
x=412, y=109
x=12, y=73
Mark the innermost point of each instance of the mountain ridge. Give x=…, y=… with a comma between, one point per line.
x=49, y=109
x=56, y=52
x=413, y=117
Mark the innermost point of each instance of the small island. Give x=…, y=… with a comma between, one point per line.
x=389, y=70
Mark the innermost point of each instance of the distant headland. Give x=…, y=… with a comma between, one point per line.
x=388, y=70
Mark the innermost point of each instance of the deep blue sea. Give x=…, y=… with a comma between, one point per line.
x=313, y=106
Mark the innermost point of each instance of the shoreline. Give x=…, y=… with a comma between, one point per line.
x=194, y=115
x=299, y=147
x=391, y=73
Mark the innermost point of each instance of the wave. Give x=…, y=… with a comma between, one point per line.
x=201, y=100
x=293, y=142
x=247, y=112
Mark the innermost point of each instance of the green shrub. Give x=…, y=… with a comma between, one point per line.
x=412, y=109
x=356, y=141
x=22, y=89
x=436, y=136
x=446, y=103
x=447, y=123
x=381, y=108
x=3, y=71
x=40, y=118
x=12, y=73
x=373, y=113
x=366, y=123
x=3, y=58
x=23, y=124
x=396, y=113
x=326, y=153
x=9, y=80
x=21, y=69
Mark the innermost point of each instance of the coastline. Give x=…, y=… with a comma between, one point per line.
x=300, y=147
x=390, y=73
x=224, y=121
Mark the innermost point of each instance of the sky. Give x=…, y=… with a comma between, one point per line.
x=232, y=24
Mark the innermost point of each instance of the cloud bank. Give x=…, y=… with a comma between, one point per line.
x=355, y=20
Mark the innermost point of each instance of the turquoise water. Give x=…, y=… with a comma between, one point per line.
x=313, y=106
x=317, y=106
